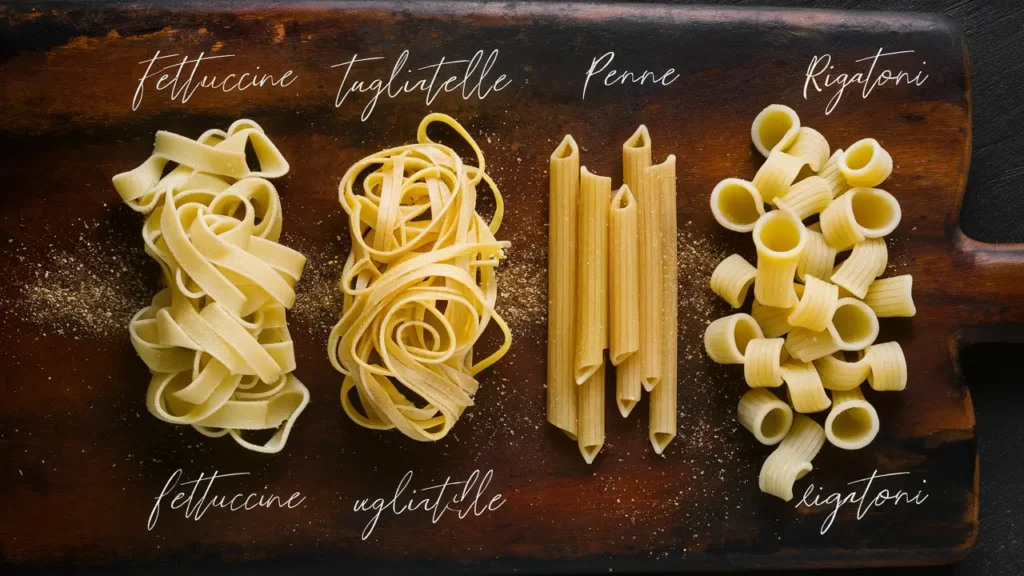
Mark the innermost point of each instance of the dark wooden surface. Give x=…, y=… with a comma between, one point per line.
x=70, y=443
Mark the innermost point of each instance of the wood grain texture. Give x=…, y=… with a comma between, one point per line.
x=84, y=468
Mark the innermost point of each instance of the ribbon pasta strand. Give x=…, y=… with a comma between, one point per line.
x=215, y=338
x=419, y=286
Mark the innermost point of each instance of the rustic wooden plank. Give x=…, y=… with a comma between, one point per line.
x=86, y=461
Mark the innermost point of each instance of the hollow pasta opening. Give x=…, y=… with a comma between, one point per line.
x=852, y=324
x=639, y=139
x=774, y=126
x=565, y=150
x=774, y=423
x=852, y=424
x=859, y=155
x=745, y=331
x=780, y=233
x=872, y=209
x=738, y=205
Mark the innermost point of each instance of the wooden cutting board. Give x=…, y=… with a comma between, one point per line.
x=84, y=463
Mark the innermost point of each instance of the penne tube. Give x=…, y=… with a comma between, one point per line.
x=831, y=173
x=838, y=374
x=563, y=197
x=777, y=174
x=803, y=385
x=780, y=239
x=854, y=326
x=860, y=213
x=810, y=146
x=765, y=416
x=623, y=283
x=726, y=339
x=891, y=297
x=636, y=156
x=888, y=367
x=817, y=259
x=791, y=460
x=763, y=366
x=592, y=274
x=736, y=204
x=816, y=306
x=867, y=262
x=590, y=410
x=775, y=127
x=807, y=197
x=852, y=423
x=865, y=163
x=664, y=397
x=732, y=279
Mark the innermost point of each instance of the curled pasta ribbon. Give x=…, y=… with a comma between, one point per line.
x=216, y=339
x=419, y=286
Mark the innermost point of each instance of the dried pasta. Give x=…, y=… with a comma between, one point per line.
x=831, y=173
x=854, y=326
x=860, y=213
x=762, y=366
x=419, y=286
x=803, y=385
x=623, y=282
x=816, y=305
x=839, y=374
x=736, y=204
x=592, y=274
x=892, y=297
x=888, y=367
x=867, y=261
x=818, y=259
x=726, y=339
x=215, y=338
x=636, y=165
x=664, y=397
x=774, y=322
x=852, y=423
x=808, y=345
x=764, y=416
x=811, y=146
x=865, y=163
x=774, y=128
x=806, y=198
x=779, y=238
x=590, y=411
x=732, y=279
x=791, y=460
x=564, y=190
x=777, y=174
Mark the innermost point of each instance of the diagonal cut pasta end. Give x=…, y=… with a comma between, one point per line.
x=625, y=406
x=661, y=440
x=590, y=451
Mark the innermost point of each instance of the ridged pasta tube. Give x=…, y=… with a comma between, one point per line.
x=854, y=326
x=773, y=321
x=860, y=213
x=865, y=163
x=775, y=127
x=807, y=197
x=726, y=339
x=592, y=274
x=831, y=173
x=816, y=306
x=590, y=408
x=817, y=259
x=763, y=366
x=888, y=367
x=891, y=297
x=780, y=239
x=803, y=385
x=811, y=146
x=732, y=279
x=807, y=345
x=852, y=423
x=791, y=460
x=867, y=262
x=839, y=374
x=777, y=174
x=765, y=416
x=662, y=425
x=736, y=204
x=623, y=284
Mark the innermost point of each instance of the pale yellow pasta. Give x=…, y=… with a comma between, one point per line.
x=854, y=326
x=773, y=321
x=807, y=345
x=726, y=339
x=762, y=367
x=791, y=460
x=831, y=173
x=765, y=416
x=777, y=174
x=806, y=198
x=867, y=262
x=839, y=374
x=592, y=274
x=215, y=339
x=780, y=239
x=664, y=401
x=811, y=146
x=419, y=286
x=736, y=204
x=804, y=388
x=564, y=191
x=865, y=163
x=892, y=297
x=623, y=282
x=816, y=305
x=817, y=259
x=774, y=128
x=852, y=423
x=732, y=279
x=590, y=412
x=860, y=213
x=888, y=367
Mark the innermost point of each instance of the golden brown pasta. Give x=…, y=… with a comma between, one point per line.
x=592, y=274
x=662, y=420
x=623, y=283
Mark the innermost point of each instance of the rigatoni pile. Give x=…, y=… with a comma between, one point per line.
x=612, y=262
x=798, y=332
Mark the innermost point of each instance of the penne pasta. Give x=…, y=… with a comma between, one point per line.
x=888, y=367
x=867, y=262
x=831, y=173
x=839, y=374
x=726, y=339
x=860, y=213
x=736, y=204
x=817, y=258
x=854, y=326
x=664, y=399
x=590, y=411
x=810, y=146
x=807, y=197
x=891, y=297
x=763, y=365
x=816, y=305
x=803, y=385
x=791, y=460
x=592, y=274
x=563, y=196
x=623, y=283
x=852, y=423
x=777, y=174
x=775, y=127
x=765, y=416
x=780, y=239
x=636, y=155
x=865, y=163
x=732, y=279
